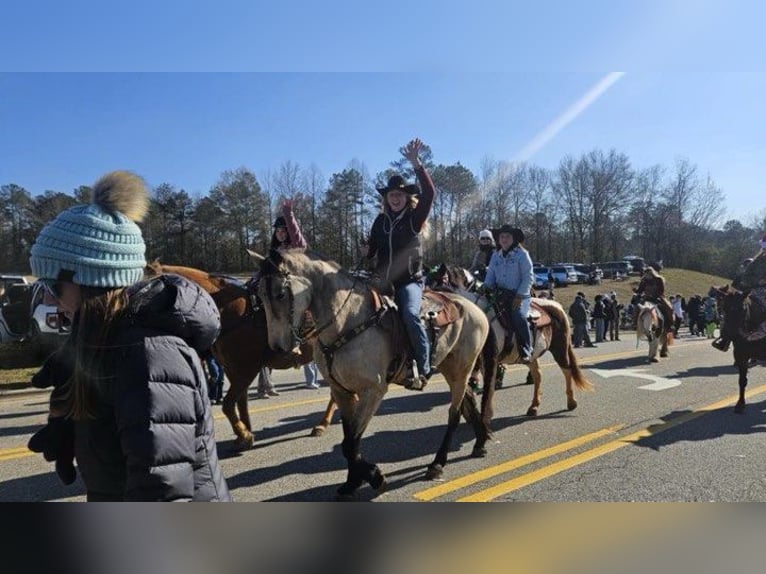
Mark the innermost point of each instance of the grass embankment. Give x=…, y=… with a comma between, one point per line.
x=682, y=281
x=18, y=363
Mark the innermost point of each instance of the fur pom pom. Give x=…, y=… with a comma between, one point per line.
x=122, y=191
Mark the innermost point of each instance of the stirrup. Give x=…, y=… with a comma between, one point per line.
x=416, y=383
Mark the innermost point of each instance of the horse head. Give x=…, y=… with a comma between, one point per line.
x=286, y=296
x=649, y=321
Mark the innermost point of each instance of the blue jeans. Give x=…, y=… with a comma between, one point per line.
x=521, y=327
x=408, y=298
x=310, y=371
x=215, y=392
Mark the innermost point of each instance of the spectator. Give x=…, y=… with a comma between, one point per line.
x=598, y=318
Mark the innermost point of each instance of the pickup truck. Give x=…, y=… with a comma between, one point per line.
x=25, y=317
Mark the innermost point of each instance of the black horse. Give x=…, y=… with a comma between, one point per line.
x=741, y=316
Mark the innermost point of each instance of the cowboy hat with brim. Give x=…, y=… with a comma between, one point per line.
x=397, y=183
x=515, y=232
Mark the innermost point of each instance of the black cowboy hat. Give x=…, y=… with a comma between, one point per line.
x=280, y=222
x=516, y=233
x=396, y=182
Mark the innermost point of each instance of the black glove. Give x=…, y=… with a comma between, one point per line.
x=56, y=442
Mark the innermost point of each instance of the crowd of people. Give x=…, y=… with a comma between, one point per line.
x=134, y=384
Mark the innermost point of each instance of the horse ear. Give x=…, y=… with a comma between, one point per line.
x=255, y=255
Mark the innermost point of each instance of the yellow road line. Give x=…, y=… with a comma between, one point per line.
x=13, y=453
x=576, y=460
x=473, y=478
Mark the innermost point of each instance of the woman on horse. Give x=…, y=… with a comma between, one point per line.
x=134, y=408
x=395, y=243
x=287, y=235
x=652, y=288
x=483, y=255
x=510, y=268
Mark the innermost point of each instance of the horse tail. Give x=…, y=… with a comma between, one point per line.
x=489, y=362
x=562, y=337
x=577, y=375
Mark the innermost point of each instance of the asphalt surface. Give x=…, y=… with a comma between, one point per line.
x=659, y=432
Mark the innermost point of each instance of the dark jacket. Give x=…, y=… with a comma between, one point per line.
x=152, y=437
x=395, y=238
x=578, y=312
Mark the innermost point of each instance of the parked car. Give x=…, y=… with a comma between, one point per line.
x=24, y=316
x=614, y=269
x=593, y=274
x=541, y=277
x=636, y=262
x=563, y=275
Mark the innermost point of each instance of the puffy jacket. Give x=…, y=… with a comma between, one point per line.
x=152, y=437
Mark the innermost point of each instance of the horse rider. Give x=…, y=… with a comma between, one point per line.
x=510, y=270
x=652, y=288
x=395, y=242
x=751, y=279
x=483, y=254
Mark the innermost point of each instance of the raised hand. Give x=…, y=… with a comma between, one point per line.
x=412, y=150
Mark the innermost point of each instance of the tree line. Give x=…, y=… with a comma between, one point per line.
x=592, y=208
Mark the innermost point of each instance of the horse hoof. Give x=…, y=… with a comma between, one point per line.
x=378, y=481
x=654, y=360
x=571, y=405
x=664, y=355
x=244, y=443
x=317, y=431
x=739, y=408
x=434, y=471
x=479, y=452
x=532, y=412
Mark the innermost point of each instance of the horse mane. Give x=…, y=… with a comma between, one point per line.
x=209, y=282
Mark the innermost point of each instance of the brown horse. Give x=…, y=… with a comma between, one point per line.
x=242, y=348
x=741, y=316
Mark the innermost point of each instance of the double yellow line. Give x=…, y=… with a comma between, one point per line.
x=532, y=477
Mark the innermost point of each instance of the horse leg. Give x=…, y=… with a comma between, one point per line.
x=326, y=421
x=537, y=377
x=741, y=362
x=436, y=468
x=653, y=344
x=664, y=346
x=356, y=415
x=245, y=438
x=470, y=412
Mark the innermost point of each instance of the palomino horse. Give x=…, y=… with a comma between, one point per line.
x=242, y=347
x=741, y=316
x=552, y=334
x=359, y=350
x=650, y=326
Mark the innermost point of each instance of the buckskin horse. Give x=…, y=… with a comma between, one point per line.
x=552, y=333
x=741, y=316
x=242, y=347
x=359, y=349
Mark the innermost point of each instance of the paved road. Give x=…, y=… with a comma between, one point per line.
x=664, y=432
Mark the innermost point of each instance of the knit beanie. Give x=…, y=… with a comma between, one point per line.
x=100, y=242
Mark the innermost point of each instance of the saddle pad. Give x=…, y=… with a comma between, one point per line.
x=439, y=304
x=538, y=315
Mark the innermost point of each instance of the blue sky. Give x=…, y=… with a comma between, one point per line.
x=325, y=83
